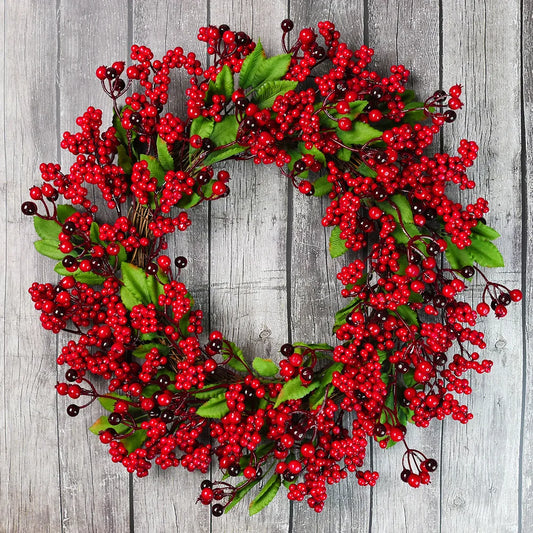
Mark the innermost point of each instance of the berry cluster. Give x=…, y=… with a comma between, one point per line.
x=406, y=337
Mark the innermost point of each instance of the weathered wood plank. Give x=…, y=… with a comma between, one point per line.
x=480, y=465
x=163, y=25
x=248, y=249
x=400, y=32
x=315, y=291
x=94, y=491
x=29, y=489
x=481, y=48
x=526, y=459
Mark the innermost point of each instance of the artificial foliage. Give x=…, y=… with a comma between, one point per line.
x=176, y=395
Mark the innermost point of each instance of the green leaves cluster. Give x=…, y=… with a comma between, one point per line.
x=261, y=78
x=48, y=245
x=139, y=287
x=337, y=245
x=482, y=251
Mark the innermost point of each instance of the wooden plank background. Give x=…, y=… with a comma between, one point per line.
x=258, y=263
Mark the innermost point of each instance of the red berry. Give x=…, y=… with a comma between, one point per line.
x=375, y=115
x=101, y=73
x=249, y=472
x=307, y=36
x=455, y=91
x=483, y=309
x=164, y=262
x=414, y=480
x=455, y=103
x=345, y=124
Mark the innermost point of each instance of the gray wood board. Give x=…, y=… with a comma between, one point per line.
x=258, y=261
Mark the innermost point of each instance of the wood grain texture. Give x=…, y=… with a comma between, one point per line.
x=55, y=476
x=248, y=249
x=526, y=456
x=89, y=36
x=481, y=49
x=402, y=33
x=315, y=291
x=29, y=474
x=163, y=25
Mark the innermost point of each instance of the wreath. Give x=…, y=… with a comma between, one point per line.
x=177, y=395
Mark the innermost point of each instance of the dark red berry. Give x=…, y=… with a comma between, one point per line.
x=218, y=510
x=287, y=350
x=287, y=25
x=73, y=410
x=29, y=208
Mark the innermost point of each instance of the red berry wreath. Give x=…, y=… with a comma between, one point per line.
x=403, y=342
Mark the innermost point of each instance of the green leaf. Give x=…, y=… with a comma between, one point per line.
x=344, y=154
x=109, y=403
x=95, y=234
x=265, y=367
x=314, y=346
x=418, y=115
x=223, y=85
x=124, y=160
x=269, y=91
x=361, y=133
x=272, y=69
x=366, y=171
x=484, y=253
x=143, y=288
x=189, y=201
x=225, y=131
x=322, y=186
x=134, y=279
x=205, y=395
x=342, y=314
x=143, y=349
x=103, y=423
x=356, y=108
x=241, y=493
x=257, y=69
x=120, y=132
x=337, y=246
x=236, y=362
x=49, y=248
x=403, y=205
x=48, y=230
x=135, y=441
x=318, y=396
x=266, y=494
x=215, y=407
x=294, y=390
x=457, y=257
x=237, y=365
x=128, y=298
x=155, y=168
x=401, y=237
x=250, y=66
x=409, y=380
x=163, y=155
x=64, y=211
x=485, y=231
x=83, y=277
x=202, y=126
x=408, y=96
x=222, y=155
x=409, y=315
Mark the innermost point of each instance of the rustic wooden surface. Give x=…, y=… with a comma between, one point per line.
x=258, y=263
